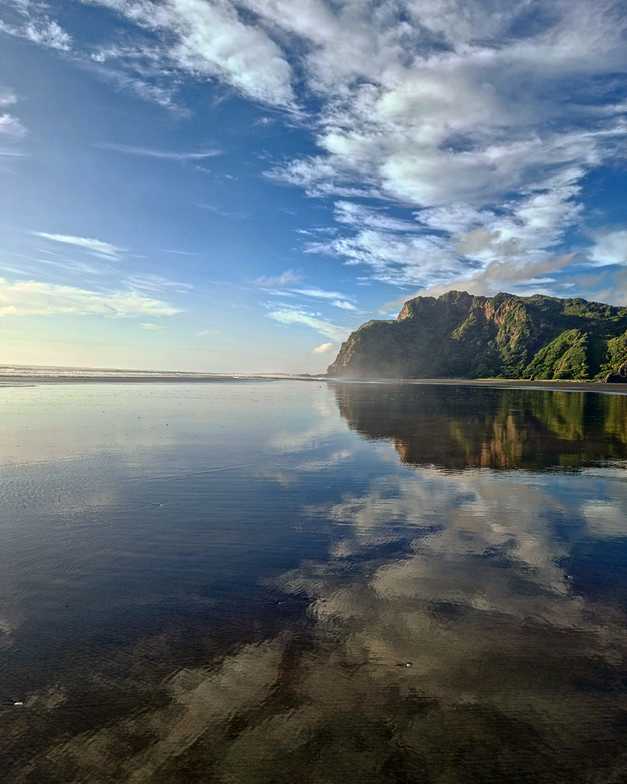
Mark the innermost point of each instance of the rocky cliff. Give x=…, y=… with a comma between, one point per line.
x=459, y=335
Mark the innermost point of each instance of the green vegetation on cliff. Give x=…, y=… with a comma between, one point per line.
x=466, y=336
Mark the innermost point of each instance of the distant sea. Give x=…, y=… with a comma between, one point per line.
x=63, y=372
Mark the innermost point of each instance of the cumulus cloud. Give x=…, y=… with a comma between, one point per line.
x=610, y=248
x=100, y=248
x=453, y=134
x=441, y=125
x=506, y=275
x=37, y=298
x=212, y=39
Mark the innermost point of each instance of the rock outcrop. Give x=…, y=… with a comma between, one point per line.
x=459, y=335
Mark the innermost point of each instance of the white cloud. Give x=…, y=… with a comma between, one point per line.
x=37, y=298
x=166, y=155
x=150, y=326
x=324, y=348
x=468, y=133
x=610, y=248
x=505, y=276
x=343, y=304
x=47, y=32
x=295, y=316
x=474, y=123
x=156, y=284
x=11, y=126
x=353, y=214
x=336, y=298
x=398, y=259
x=7, y=97
x=211, y=39
x=99, y=247
x=32, y=23
x=287, y=278
x=213, y=208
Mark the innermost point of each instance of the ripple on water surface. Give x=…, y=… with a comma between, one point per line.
x=279, y=582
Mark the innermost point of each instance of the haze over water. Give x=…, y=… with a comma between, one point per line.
x=288, y=581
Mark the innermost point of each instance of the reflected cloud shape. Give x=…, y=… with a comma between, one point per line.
x=452, y=623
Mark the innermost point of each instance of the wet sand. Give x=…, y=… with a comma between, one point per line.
x=500, y=383
x=9, y=379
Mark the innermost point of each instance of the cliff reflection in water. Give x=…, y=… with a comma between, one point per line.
x=463, y=427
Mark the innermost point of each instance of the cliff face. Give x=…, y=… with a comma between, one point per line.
x=459, y=335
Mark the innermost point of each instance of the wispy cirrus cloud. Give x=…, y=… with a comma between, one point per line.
x=281, y=286
x=98, y=247
x=38, y=298
x=157, y=284
x=324, y=348
x=164, y=155
x=287, y=278
x=335, y=298
x=31, y=21
x=300, y=317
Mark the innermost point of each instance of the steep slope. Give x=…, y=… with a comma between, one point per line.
x=466, y=336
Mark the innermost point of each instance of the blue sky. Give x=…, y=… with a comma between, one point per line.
x=237, y=184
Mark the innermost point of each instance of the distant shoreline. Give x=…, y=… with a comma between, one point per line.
x=151, y=377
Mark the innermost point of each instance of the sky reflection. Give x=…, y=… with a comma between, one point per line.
x=342, y=606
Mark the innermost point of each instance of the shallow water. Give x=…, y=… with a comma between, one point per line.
x=290, y=581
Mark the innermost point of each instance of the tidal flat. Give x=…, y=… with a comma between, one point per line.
x=283, y=581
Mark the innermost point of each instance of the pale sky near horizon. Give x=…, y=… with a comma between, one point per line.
x=235, y=185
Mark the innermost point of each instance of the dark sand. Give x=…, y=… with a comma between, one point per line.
x=501, y=383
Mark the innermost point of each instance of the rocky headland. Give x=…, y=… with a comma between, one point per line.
x=460, y=335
